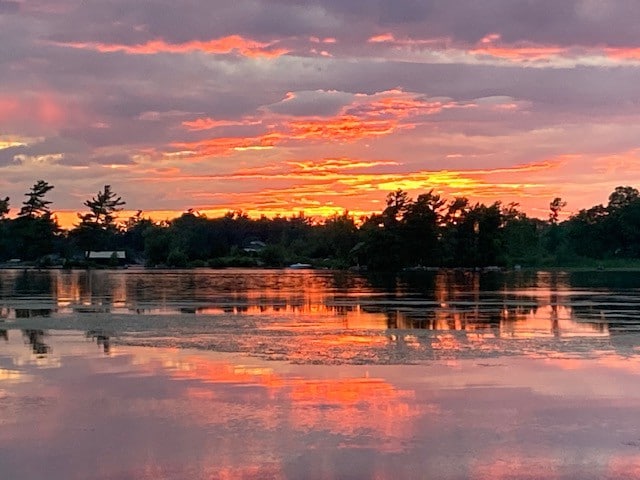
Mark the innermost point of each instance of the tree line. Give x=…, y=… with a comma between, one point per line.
x=428, y=231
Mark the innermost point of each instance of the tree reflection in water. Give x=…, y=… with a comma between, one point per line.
x=35, y=338
x=102, y=339
x=247, y=309
x=32, y=312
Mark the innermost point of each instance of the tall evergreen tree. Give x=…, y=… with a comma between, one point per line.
x=98, y=229
x=35, y=206
x=103, y=209
x=33, y=232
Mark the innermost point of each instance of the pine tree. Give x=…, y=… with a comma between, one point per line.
x=98, y=229
x=103, y=209
x=36, y=206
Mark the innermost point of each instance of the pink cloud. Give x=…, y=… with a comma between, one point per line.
x=207, y=123
x=365, y=117
x=225, y=45
x=43, y=109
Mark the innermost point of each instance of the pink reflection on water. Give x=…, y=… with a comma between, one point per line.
x=171, y=413
x=342, y=406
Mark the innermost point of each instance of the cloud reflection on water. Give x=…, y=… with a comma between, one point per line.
x=170, y=413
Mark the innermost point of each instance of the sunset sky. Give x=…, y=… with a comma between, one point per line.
x=284, y=106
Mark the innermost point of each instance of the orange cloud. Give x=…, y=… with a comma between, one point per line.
x=519, y=53
x=339, y=170
x=341, y=129
x=491, y=46
x=367, y=116
x=389, y=38
x=385, y=37
x=522, y=52
x=310, y=168
x=631, y=53
x=401, y=105
x=335, y=164
x=209, y=123
x=492, y=49
x=323, y=188
x=225, y=45
x=226, y=145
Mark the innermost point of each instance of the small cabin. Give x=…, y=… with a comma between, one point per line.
x=107, y=257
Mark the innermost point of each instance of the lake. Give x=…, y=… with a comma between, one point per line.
x=261, y=374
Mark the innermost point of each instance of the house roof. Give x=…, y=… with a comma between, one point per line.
x=106, y=254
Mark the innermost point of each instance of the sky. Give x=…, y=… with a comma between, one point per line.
x=281, y=106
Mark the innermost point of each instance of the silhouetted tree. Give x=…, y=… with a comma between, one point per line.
x=622, y=197
x=426, y=231
x=35, y=206
x=135, y=230
x=34, y=231
x=622, y=225
x=586, y=232
x=4, y=207
x=521, y=237
x=397, y=204
x=98, y=229
x=103, y=209
x=5, y=241
x=421, y=225
x=555, y=207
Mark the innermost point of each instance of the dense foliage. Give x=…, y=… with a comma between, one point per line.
x=426, y=232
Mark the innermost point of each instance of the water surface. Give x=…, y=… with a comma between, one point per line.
x=117, y=375
x=80, y=412
x=337, y=317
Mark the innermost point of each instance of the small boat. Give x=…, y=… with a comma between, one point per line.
x=300, y=266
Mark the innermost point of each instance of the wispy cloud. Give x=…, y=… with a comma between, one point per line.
x=233, y=44
x=363, y=117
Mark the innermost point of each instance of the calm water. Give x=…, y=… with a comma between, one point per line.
x=320, y=375
x=336, y=317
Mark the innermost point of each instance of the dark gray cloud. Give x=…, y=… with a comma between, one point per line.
x=8, y=7
x=313, y=103
x=46, y=147
x=567, y=22
x=582, y=22
x=8, y=155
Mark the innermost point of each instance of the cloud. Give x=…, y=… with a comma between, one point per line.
x=234, y=44
x=354, y=117
x=51, y=149
x=207, y=123
x=41, y=109
x=8, y=7
x=312, y=103
x=10, y=154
